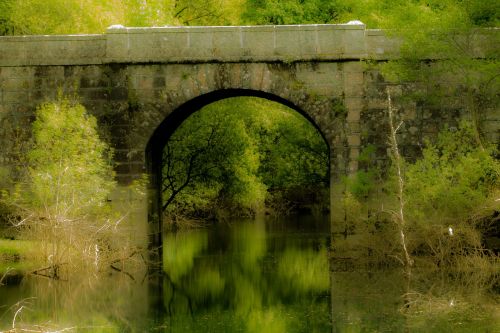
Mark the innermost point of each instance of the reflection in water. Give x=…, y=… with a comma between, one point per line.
x=108, y=304
x=250, y=276
x=425, y=301
x=258, y=276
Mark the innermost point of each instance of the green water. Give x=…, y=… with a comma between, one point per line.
x=253, y=276
x=249, y=277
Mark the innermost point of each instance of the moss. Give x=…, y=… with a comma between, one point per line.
x=338, y=108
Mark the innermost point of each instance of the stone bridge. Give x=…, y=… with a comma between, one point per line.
x=141, y=83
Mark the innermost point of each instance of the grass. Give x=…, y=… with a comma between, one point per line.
x=16, y=247
x=15, y=254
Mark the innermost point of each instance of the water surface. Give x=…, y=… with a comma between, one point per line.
x=265, y=275
x=249, y=276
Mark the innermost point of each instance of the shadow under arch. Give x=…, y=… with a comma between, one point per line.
x=162, y=134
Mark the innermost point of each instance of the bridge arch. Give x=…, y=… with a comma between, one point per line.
x=169, y=125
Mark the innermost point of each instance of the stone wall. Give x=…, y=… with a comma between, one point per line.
x=131, y=101
x=142, y=82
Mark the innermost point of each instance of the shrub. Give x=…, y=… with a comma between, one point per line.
x=446, y=190
x=62, y=201
x=453, y=178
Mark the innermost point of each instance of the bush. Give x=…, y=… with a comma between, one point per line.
x=453, y=178
x=450, y=201
x=446, y=191
x=62, y=201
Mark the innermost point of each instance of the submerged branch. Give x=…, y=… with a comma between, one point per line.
x=54, y=274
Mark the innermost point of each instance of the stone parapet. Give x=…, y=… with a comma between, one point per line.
x=284, y=43
x=288, y=43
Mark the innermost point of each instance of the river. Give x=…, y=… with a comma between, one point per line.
x=263, y=275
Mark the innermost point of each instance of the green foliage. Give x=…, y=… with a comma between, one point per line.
x=193, y=161
x=453, y=178
x=203, y=12
x=249, y=275
x=230, y=152
x=402, y=14
x=62, y=200
x=363, y=182
x=93, y=16
x=180, y=251
x=293, y=153
x=305, y=269
x=15, y=247
x=445, y=193
x=6, y=25
x=449, y=197
x=446, y=30
x=70, y=170
x=62, y=17
x=290, y=11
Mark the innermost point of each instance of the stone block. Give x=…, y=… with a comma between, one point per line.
x=353, y=166
x=142, y=47
x=308, y=39
x=159, y=82
x=118, y=94
x=144, y=82
x=287, y=43
x=379, y=46
x=354, y=140
x=354, y=153
x=490, y=126
x=228, y=43
x=17, y=72
x=171, y=44
x=258, y=42
x=377, y=103
x=10, y=97
x=353, y=126
x=87, y=50
x=354, y=103
x=123, y=179
x=353, y=114
x=12, y=52
x=353, y=90
x=353, y=67
x=354, y=78
x=354, y=43
x=15, y=84
x=200, y=44
x=137, y=167
x=117, y=46
x=318, y=73
x=330, y=42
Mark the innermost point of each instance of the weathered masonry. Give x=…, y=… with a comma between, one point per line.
x=141, y=83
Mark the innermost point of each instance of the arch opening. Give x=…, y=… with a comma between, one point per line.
x=165, y=131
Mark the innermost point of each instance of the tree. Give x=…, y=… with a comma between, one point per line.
x=6, y=25
x=62, y=201
x=233, y=152
x=210, y=158
x=290, y=11
x=18, y=17
x=69, y=166
x=440, y=58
